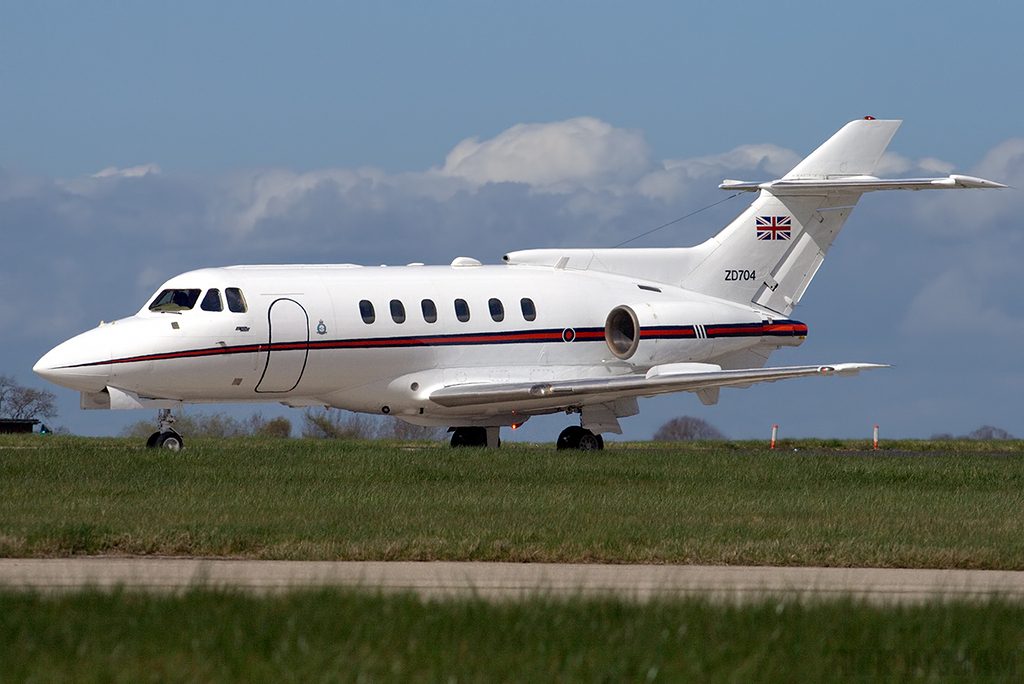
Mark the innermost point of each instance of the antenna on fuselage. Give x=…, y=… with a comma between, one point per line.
x=665, y=225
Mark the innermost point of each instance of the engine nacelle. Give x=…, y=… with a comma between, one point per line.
x=651, y=333
x=622, y=332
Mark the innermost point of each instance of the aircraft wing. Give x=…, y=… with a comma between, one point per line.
x=665, y=379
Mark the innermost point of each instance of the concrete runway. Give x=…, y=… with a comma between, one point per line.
x=510, y=581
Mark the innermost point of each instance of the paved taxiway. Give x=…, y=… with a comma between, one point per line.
x=513, y=580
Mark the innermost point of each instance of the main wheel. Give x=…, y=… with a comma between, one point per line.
x=151, y=442
x=469, y=436
x=170, y=440
x=590, y=442
x=569, y=438
x=576, y=437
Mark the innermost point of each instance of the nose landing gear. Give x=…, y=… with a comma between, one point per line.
x=165, y=437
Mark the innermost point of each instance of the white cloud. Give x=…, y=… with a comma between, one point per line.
x=16, y=187
x=571, y=157
x=893, y=165
x=1005, y=161
x=955, y=213
x=555, y=157
x=601, y=171
x=677, y=176
x=973, y=296
x=133, y=172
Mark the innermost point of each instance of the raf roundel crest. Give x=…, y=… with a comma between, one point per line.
x=321, y=328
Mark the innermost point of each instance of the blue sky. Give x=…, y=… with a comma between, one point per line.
x=275, y=132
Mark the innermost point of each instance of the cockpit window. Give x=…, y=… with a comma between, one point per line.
x=236, y=302
x=211, y=302
x=175, y=300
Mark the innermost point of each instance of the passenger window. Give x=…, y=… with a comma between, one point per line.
x=497, y=310
x=397, y=311
x=175, y=300
x=366, y=311
x=236, y=302
x=461, y=310
x=429, y=311
x=211, y=302
x=529, y=311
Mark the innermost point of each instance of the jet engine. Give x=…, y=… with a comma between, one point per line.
x=650, y=333
x=622, y=331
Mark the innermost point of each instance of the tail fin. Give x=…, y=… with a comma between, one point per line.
x=770, y=253
x=853, y=151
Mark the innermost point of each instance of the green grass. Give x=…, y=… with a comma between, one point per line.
x=731, y=503
x=338, y=636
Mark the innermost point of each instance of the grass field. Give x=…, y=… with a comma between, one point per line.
x=914, y=504
x=334, y=636
x=722, y=503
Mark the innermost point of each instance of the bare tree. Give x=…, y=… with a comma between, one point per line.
x=985, y=432
x=337, y=424
x=318, y=423
x=25, y=403
x=219, y=425
x=276, y=427
x=322, y=423
x=686, y=429
x=399, y=429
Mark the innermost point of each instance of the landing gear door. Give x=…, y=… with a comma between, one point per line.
x=288, y=347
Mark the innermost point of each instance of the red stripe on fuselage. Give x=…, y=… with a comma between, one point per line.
x=788, y=328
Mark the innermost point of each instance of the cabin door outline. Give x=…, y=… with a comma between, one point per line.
x=287, y=348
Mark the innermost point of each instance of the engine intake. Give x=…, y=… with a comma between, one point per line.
x=622, y=332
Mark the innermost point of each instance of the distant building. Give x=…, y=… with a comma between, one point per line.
x=17, y=426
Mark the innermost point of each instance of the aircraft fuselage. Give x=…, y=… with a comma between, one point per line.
x=307, y=337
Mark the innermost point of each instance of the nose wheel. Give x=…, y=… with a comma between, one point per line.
x=166, y=437
x=576, y=437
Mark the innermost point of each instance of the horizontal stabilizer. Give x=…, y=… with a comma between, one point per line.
x=785, y=186
x=680, y=378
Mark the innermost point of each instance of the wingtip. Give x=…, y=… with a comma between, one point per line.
x=848, y=370
x=974, y=182
x=730, y=184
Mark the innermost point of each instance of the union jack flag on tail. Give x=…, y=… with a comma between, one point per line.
x=774, y=227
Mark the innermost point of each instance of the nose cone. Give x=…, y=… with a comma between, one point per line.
x=82, y=363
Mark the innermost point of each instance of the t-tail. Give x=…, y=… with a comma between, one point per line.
x=769, y=254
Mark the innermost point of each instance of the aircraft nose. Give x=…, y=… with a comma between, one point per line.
x=82, y=363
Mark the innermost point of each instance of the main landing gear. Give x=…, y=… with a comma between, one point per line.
x=475, y=437
x=576, y=437
x=165, y=437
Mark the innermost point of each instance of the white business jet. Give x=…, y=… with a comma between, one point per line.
x=476, y=348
